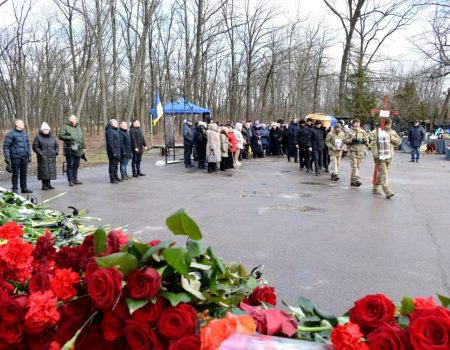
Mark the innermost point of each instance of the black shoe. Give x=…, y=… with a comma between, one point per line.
x=135, y=175
x=50, y=186
x=45, y=187
x=412, y=161
x=358, y=183
x=76, y=182
x=118, y=179
x=71, y=183
x=296, y=161
x=114, y=181
x=15, y=190
x=354, y=184
x=417, y=161
x=333, y=177
x=336, y=177
x=26, y=190
x=141, y=174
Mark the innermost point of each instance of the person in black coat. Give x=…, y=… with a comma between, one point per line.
x=16, y=150
x=113, y=150
x=326, y=155
x=284, y=138
x=256, y=140
x=46, y=148
x=416, y=136
x=188, y=141
x=292, y=132
x=200, y=140
x=304, y=145
x=247, y=135
x=125, y=150
x=317, y=145
x=275, y=136
x=138, y=146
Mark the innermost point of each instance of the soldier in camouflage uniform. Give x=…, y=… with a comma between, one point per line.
x=334, y=142
x=356, y=140
x=384, y=157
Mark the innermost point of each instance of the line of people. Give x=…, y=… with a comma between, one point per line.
x=122, y=145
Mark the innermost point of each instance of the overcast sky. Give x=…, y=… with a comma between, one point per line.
x=398, y=46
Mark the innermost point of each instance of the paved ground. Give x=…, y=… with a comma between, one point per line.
x=323, y=240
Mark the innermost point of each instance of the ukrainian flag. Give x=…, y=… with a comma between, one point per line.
x=157, y=111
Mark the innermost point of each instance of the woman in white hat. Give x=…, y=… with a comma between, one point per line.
x=46, y=148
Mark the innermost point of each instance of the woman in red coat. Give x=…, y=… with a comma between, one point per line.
x=232, y=147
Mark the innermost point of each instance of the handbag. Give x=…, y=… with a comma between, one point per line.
x=74, y=147
x=212, y=157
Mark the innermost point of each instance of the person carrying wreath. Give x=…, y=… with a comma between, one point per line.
x=46, y=148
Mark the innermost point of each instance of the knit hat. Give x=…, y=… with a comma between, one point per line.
x=45, y=126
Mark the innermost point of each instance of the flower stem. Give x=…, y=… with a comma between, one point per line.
x=314, y=329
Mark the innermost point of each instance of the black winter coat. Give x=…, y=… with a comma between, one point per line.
x=201, y=137
x=317, y=140
x=304, y=136
x=415, y=136
x=292, y=131
x=112, y=142
x=16, y=145
x=125, y=144
x=46, y=148
x=137, y=140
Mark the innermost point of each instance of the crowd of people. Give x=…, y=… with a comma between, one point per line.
x=307, y=142
x=215, y=147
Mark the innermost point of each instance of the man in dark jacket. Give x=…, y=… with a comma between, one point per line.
x=188, y=141
x=415, y=137
x=201, y=139
x=113, y=150
x=304, y=145
x=138, y=145
x=292, y=131
x=247, y=135
x=74, y=148
x=16, y=150
x=125, y=150
x=317, y=144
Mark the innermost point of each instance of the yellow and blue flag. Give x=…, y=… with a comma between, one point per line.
x=157, y=111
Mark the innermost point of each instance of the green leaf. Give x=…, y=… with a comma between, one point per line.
x=182, y=225
x=134, y=304
x=176, y=257
x=194, y=249
x=163, y=245
x=407, y=306
x=176, y=298
x=252, y=283
x=307, y=306
x=445, y=301
x=192, y=287
x=140, y=247
x=99, y=241
x=124, y=261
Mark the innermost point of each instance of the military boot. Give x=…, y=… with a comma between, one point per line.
x=389, y=193
x=376, y=190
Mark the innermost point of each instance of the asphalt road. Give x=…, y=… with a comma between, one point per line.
x=325, y=241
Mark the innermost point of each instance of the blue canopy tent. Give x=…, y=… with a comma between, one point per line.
x=183, y=107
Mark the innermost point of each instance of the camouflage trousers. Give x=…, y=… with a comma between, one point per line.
x=355, y=163
x=383, y=176
x=335, y=161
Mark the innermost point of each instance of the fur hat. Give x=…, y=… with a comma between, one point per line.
x=45, y=126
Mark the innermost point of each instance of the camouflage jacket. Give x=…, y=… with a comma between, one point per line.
x=356, y=149
x=330, y=141
x=395, y=141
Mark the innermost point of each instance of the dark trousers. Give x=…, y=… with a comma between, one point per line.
x=136, y=164
x=230, y=164
x=113, y=168
x=212, y=167
x=326, y=158
x=317, y=158
x=123, y=166
x=305, y=156
x=245, y=152
x=73, y=163
x=20, y=169
x=292, y=152
x=201, y=155
x=187, y=154
x=415, y=153
x=223, y=163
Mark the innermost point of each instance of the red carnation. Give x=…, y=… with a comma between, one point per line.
x=264, y=294
x=16, y=260
x=150, y=312
x=424, y=302
x=105, y=287
x=68, y=258
x=10, y=230
x=42, y=312
x=40, y=281
x=62, y=283
x=191, y=342
x=372, y=312
x=45, y=250
x=176, y=322
x=429, y=329
x=348, y=337
x=143, y=284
